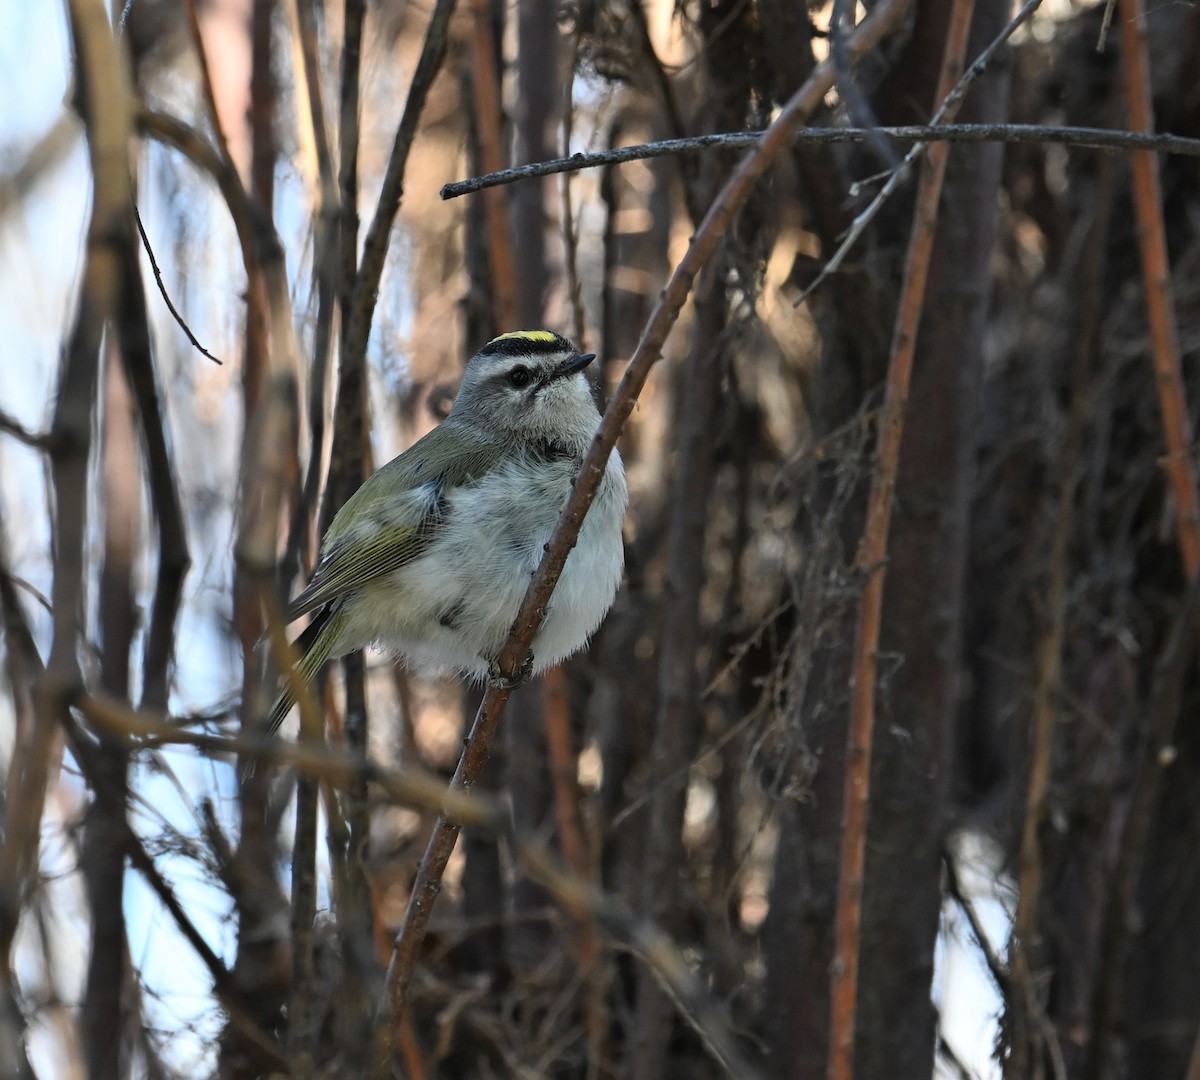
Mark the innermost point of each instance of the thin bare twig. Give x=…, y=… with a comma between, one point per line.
x=569, y=225
x=871, y=562
x=162, y=288
x=708, y=234
x=407, y=785
x=375, y=245
x=105, y=100
x=1087, y=138
x=852, y=98
x=650, y=943
x=950, y=103
x=996, y=967
x=133, y=328
x=10, y=425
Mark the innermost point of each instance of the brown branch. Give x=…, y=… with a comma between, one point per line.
x=1083, y=138
x=102, y=854
x=1156, y=273
x=730, y=200
x=105, y=102
x=570, y=228
x=348, y=128
x=22, y=666
x=133, y=329
x=564, y=767
x=206, y=83
x=677, y=719
x=871, y=558
x=370, y=271
x=325, y=280
x=485, y=99
x=408, y=785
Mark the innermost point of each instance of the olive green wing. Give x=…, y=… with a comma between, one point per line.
x=392, y=519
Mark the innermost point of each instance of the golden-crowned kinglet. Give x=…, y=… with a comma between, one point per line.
x=431, y=557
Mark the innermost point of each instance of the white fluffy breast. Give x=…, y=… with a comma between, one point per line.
x=452, y=608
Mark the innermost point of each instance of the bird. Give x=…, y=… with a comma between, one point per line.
x=431, y=557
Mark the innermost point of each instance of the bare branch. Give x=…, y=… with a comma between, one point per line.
x=730, y=200
x=370, y=271
x=10, y=425
x=947, y=110
x=1156, y=273
x=1078, y=137
x=871, y=562
x=162, y=288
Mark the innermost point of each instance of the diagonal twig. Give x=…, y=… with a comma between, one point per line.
x=708, y=235
x=162, y=288
x=951, y=99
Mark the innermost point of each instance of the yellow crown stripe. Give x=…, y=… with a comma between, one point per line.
x=526, y=335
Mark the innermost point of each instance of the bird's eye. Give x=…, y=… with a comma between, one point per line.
x=520, y=377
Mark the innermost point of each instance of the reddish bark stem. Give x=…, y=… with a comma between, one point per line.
x=1156, y=273
x=871, y=555
x=730, y=200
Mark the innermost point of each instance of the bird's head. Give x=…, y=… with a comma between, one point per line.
x=528, y=385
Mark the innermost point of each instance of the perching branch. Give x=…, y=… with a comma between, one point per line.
x=871, y=562
x=708, y=235
x=1077, y=137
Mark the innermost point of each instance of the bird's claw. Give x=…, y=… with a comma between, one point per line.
x=496, y=676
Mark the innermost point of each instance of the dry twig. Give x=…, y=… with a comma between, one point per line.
x=730, y=200
x=1085, y=138
x=871, y=558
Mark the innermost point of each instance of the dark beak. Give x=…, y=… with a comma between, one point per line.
x=576, y=363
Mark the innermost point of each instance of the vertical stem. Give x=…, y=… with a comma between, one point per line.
x=105, y=101
x=871, y=562
x=485, y=94
x=103, y=853
x=677, y=723
x=1156, y=273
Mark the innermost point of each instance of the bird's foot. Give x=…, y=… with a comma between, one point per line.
x=496, y=676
